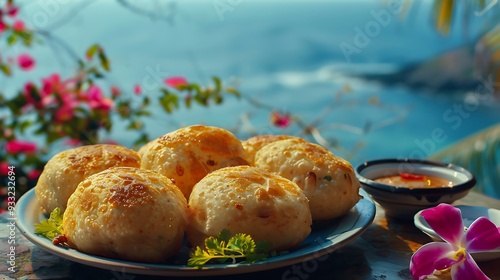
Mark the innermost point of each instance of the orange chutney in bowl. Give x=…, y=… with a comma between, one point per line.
x=414, y=181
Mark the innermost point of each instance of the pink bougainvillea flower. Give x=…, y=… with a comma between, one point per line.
x=34, y=174
x=97, y=101
x=137, y=89
x=18, y=26
x=64, y=113
x=280, y=120
x=26, y=62
x=3, y=26
x=11, y=10
x=175, y=82
x=18, y=146
x=3, y=205
x=73, y=142
x=454, y=253
x=67, y=105
x=4, y=169
x=111, y=142
x=31, y=95
x=115, y=91
x=52, y=84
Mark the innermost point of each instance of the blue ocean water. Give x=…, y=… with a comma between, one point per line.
x=293, y=56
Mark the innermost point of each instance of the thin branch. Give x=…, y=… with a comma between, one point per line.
x=70, y=15
x=60, y=42
x=154, y=16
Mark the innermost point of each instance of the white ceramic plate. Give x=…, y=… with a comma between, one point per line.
x=325, y=238
x=469, y=215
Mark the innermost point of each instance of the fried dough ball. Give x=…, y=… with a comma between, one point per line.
x=188, y=154
x=250, y=200
x=328, y=181
x=255, y=143
x=126, y=213
x=65, y=170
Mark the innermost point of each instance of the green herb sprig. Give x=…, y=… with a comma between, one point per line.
x=224, y=248
x=52, y=227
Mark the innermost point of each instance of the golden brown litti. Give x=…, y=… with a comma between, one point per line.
x=255, y=143
x=328, y=181
x=188, y=154
x=250, y=200
x=65, y=170
x=126, y=213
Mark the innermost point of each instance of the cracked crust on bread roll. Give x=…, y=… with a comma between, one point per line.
x=328, y=181
x=126, y=213
x=65, y=170
x=250, y=200
x=255, y=143
x=188, y=154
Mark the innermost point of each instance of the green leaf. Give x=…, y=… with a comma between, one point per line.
x=124, y=109
x=135, y=125
x=143, y=139
x=187, y=101
x=104, y=60
x=218, y=83
x=26, y=37
x=24, y=125
x=146, y=101
x=224, y=247
x=169, y=101
x=52, y=227
x=52, y=136
x=224, y=234
x=218, y=99
x=196, y=88
x=143, y=113
x=5, y=69
x=91, y=51
x=81, y=64
x=233, y=91
x=12, y=39
x=15, y=105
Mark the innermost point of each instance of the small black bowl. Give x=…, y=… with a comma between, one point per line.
x=403, y=202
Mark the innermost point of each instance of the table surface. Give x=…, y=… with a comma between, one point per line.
x=382, y=252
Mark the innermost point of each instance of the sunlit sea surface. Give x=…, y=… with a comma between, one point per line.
x=285, y=54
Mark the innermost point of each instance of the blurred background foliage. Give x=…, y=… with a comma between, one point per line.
x=480, y=153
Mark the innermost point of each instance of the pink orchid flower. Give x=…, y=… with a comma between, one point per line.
x=454, y=253
x=175, y=82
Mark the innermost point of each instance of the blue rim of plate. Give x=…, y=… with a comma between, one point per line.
x=325, y=237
